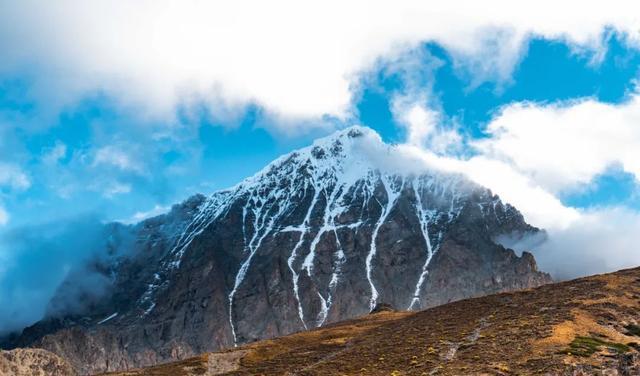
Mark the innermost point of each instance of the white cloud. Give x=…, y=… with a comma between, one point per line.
x=600, y=240
x=141, y=216
x=421, y=123
x=494, y=56
x=412, y=105
x=540, y=207
x=13, y=177
x=296, y=59
x=4, y=216
x=55, y=153
x=564, y=146
x=425, y=128
x=115, y=188
x=116, y=157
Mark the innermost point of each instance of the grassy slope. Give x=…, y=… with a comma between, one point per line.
x=585, y=325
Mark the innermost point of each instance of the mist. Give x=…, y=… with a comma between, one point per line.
x=36, y=260
x=600, y=241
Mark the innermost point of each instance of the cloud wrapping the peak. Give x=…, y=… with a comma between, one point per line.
x=540, y=207
x=142, y=215
x=297, y=60
x=533, y=153
x=425, y=128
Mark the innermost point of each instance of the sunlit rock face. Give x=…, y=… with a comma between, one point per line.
x=320, y=235
x=33, y=362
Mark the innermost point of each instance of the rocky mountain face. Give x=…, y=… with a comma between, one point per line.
x=320, y=235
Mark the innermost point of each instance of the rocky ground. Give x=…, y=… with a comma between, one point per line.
x=33, y=362
x=587, y=326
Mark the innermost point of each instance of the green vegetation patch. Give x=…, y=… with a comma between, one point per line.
x=587, y=346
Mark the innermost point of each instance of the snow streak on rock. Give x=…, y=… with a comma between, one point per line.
x=392, y=196
x=108, y=318
x=337, y=173
x=334, y=206
x=303, y=229
x=267, y=207
x=206, y=214
x=425, y=217
x=432, y=216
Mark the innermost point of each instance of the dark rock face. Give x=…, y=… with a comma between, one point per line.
x=319, y=236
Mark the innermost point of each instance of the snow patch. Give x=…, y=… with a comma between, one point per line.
x=108, y=318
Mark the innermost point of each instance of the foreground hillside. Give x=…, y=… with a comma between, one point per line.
x=586, y=326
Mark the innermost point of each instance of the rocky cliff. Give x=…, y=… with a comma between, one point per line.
x=320, y=235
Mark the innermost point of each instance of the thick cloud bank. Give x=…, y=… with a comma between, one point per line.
x=295, y=59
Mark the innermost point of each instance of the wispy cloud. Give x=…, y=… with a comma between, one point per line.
x=115, y=157
x=12, y=177
x=142, y=215
x=113, y=189
x=4, y=216
x=54, y=154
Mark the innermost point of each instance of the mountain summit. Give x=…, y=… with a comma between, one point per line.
x=320, y=235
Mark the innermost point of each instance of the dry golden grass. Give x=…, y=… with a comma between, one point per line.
x=575, y=326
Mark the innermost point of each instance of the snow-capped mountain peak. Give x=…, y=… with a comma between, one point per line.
x=321, y=234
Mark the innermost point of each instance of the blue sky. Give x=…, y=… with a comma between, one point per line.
x=115, y=110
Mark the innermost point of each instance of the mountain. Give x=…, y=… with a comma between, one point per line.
x=584, y=327
x=320, y=235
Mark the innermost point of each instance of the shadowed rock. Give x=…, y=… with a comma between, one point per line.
x=382, y=307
